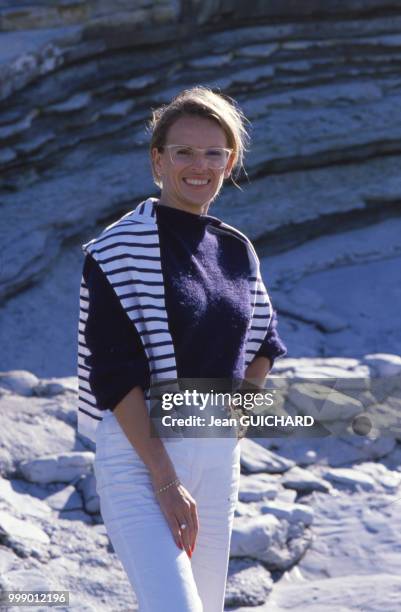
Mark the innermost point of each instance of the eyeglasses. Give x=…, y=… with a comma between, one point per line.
x=216, y=157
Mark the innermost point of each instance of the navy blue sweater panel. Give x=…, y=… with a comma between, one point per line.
x=206, y=293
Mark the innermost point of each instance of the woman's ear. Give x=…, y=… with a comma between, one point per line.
x=229, y=167
x=156, y=161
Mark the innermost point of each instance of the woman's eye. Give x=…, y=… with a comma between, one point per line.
x=213, y=153
x=184, y=151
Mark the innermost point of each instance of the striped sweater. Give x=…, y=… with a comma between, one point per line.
x=132, y=255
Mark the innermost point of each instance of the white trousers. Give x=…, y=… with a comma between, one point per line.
x=161, y=574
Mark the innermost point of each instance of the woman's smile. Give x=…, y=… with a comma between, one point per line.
x=196, y=182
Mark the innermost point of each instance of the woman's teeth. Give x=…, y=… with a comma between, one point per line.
x=196, y=181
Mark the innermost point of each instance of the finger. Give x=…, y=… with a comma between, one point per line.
x=195, y=524
x=175, y=532
x=184, y=533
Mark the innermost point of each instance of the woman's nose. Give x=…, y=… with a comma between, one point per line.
x=199, y=161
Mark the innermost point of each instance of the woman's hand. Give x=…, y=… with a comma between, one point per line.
x=179, y=507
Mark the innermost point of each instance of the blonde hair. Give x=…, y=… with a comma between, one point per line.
x=201, y=101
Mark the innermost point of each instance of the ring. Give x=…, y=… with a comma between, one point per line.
x=183, y=526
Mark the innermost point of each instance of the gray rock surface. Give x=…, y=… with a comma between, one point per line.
x=287, y=533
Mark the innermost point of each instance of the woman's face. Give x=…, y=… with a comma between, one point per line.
x=176, y=191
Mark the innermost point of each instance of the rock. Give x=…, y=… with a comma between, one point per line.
x=388, y=479
x=119, y=109
x=138, y=83
x=75, y=515
x=20, y=382
x=27, y=580
x=293, y=513
x=211, y=61
x=66, y=499
x=383, y=365
x=248, y=583
x=33, y=424
x=333, y=450
x=307, y=307
x=7, y=560
x=23, y=537
x=87, y=486
x=58, y=468
x=350, y=478
x=266, y=539
x=257, y=51
x=255, y=458
x=257, y=487
x=72, y=105
x=326, y=406
x=308, y=595
x=22, y=504
x=50, y=387
x=303, y=481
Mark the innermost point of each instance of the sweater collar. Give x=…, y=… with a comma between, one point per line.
x=145, y=212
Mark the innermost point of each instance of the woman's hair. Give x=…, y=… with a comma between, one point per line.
x=201, y=101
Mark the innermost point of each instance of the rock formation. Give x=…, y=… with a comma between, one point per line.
x=320, y=84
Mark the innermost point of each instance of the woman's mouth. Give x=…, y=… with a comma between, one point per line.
x=199, y=183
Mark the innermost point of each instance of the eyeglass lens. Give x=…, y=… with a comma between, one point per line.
x=215, y=157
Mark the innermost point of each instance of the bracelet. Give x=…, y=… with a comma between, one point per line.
x=170, y=484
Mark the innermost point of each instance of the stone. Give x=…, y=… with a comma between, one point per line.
x=303, y=481
x=293, y=513
x=72, y=105
x=266, y=539
x=255, y=458
x=210, y=61
x=56, y=386
x=257, y=487
x=20, y=382
x=32, y=424
x=27, y=580
x=389, y=479
x=324, y=320
x=22, y=504
x=138, y=83
x=65, y=499
x=248, y=583
x=7, y=559
x=23, y=537
x=383, y=365
x=119, y=109
x=87, y=487
x=350, y=477
x=257, y=51
x=58, y=468
x=323, y=404
x=306, y=595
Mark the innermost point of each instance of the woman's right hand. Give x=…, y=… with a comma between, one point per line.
x=178, y=507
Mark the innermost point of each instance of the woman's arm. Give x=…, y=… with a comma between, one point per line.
x=119, y=375
x=132, y=414
x=176, y=503
x=257, y=371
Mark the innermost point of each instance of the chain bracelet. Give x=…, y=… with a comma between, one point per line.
x=170, y=484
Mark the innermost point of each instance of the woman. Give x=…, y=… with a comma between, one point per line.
x=170, y=292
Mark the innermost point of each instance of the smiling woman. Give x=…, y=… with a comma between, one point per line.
x=170, y=292
x=198, y=141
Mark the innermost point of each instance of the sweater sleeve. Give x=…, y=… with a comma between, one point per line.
x=118, y=361
x=272, y=346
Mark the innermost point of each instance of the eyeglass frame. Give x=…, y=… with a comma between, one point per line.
x=169, y=146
